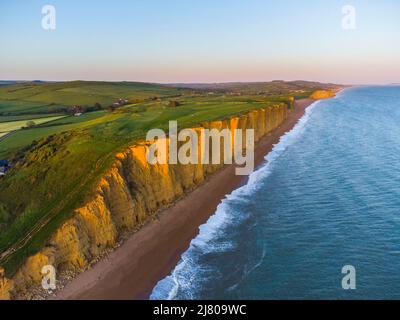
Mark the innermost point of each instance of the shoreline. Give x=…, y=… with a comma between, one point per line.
x=150, y=254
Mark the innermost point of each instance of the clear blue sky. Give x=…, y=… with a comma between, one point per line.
x=201, y=41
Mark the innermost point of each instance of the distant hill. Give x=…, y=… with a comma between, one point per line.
x=269, y=88
x=7, y=82
x=40, y=97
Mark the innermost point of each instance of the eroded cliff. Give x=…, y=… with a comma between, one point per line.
x=127, y=196
x=322, y=94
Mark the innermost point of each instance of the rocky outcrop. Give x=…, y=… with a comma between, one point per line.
x=130, y=193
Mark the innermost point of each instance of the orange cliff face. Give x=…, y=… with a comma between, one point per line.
x=6, y=286
x=128, y=195
x=322, y=94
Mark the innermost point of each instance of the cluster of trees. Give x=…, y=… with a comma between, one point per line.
x=174, y=104
x=111, y=108
x=30, y=124
x=78, y=109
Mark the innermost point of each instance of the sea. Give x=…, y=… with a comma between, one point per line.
x=319, y=219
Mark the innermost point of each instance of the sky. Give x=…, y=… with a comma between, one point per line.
x=172, y=41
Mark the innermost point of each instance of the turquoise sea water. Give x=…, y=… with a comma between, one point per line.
x=327, y=196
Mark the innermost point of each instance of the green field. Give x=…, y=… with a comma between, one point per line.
x=34, y=98
x=56, y=164
x=9, y=126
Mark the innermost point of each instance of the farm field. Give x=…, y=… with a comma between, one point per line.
x=27, y=117
x=32, y=97
x=9, y=126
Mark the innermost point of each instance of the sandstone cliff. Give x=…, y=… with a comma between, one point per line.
x=6, y=286
x=126, y=197
x=322, y=94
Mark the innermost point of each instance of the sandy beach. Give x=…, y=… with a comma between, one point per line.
x=132, y=270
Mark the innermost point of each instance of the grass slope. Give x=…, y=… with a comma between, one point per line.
x=16, y=125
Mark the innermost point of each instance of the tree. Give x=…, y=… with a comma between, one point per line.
x=174, y=103
x=78, y=109
x=30, y=124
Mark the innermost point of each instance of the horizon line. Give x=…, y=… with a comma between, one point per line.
x=203, y=83
x=193, y=82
